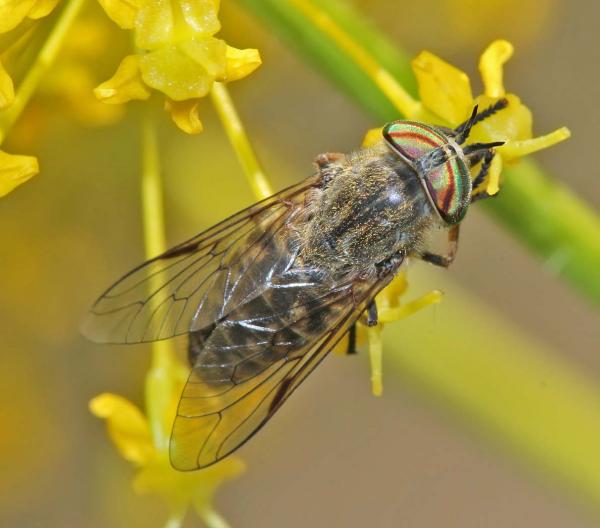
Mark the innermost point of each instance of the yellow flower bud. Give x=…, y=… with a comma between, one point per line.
x=186, y=70
x=443, y=88
x=240, y=62
x=127, y=426
x=7, y=91
x=12, y=13
x=185, y=115
x=15, y=170
x=126, y=84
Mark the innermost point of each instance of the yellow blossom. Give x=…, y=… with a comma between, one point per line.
x=447, y=100
x=13, y=12
x=185, y=115
x=15, y=170
x=136, y=440
x=7, y=91
x=178, y=55
x=125, y=85
x=390, y=308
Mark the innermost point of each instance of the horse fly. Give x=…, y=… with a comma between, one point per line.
x=267, y=293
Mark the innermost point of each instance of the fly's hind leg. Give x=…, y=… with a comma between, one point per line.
x=444, y=260
x=328, y=165
x=351, y=340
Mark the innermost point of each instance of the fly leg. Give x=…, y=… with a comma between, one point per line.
x=445, y=260
x=384, y=268
x=328, y=165
x=351, y=340
x=372, y=313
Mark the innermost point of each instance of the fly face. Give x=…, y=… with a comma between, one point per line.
x=267, y=293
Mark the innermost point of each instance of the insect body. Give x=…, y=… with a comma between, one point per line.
x=267, y=293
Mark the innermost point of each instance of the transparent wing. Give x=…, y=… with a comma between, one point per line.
x=249, y=364
x=191, y=285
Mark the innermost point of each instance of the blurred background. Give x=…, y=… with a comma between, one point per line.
x=334, y=455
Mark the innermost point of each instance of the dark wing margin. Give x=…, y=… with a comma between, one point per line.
x=218, y=414
x=164, y=296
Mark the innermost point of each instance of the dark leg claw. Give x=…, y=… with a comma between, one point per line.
x=372, y=314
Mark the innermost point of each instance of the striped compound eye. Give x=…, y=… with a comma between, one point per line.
x=442, y=170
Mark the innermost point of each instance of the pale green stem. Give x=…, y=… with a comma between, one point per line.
x=44, y=59
x=239, y=140
x=175, y=520
x=159, y=382
x=212, y=519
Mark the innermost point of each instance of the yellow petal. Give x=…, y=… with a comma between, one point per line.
x=185, y=71
x=181, y=489
x=201, y=16
x=215, y=476
x=240, y=63
x=390, y=296
x=7, y=91
x=372, y=136
x=127, y=426
x=161, y=23
x=154, y=25
x=12, y=12
x=185, y=115
x=42, y=8
x=341, y=349
x=376, y=359
x=493, y=185
x=122, y=12
x=15, y=170
x=491, y=67
x=443, y=89
x=516, y=149
x=512, y=123
x=125, y=85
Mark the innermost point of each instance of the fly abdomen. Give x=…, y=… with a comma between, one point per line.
x=273, y=326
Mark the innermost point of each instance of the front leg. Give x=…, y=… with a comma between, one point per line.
x=445, y=260
x=329, y=165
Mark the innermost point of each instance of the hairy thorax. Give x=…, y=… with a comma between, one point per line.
x=370, y=208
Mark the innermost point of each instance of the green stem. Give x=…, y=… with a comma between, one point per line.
x=44, y=59
x=563, y=232
x=212, y=519
x=159, y=380
x=238, y=138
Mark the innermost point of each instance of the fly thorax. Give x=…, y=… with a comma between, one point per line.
x=373, y=208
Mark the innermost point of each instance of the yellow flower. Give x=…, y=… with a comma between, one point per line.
x=178, y=56
x=447, y=100
x=389, y=309
x=13, y=12
x=7, y=90
x=15, y=170
x=134, y=436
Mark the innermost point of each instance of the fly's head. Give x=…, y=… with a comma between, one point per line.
x=440, y=160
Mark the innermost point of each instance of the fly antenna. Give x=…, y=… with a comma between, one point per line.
x=462, y=131
x=474, y=147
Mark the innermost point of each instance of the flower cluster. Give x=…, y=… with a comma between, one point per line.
x=143, y=441
x=177, y=55
x=15, y=17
